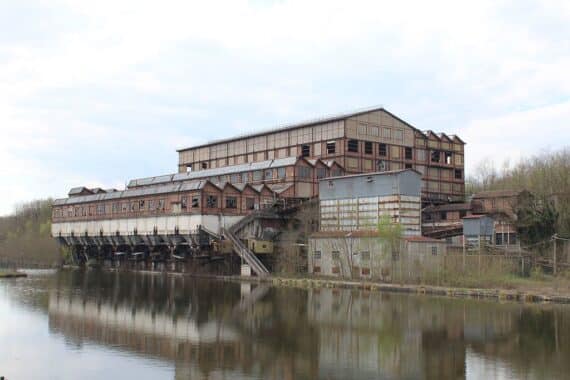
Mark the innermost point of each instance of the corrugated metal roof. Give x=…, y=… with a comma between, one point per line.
x=226, y=170
x=285, y=127
x=136, y=192
x=78, y=190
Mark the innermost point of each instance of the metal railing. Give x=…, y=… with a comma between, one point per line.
x=243, y=252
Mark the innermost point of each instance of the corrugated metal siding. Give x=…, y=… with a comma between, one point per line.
x=407, y=182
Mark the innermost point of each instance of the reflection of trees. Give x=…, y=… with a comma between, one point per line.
x=427, y=337
x=315, y=333
x=538, y=342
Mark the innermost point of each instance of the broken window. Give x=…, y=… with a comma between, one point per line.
x=448, y=158
x=184, y=202
x=368, y=147
x=408, y=154
x=134, y=206
x=331, y=147
x=383, y=150
x=195, y=201
x=353, y=146
x=204, y=165
x=231, y=202
x=161, y=204
x=435, y=156
x=141, y=204
x=381, y=166
x=250, y=203
x=409, y=166
x=125, y=206
x=211, y=201
x=458, y=174
x=305, y=150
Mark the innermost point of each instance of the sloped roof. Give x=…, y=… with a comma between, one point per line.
x=497, y=193
x=306, y=123
x=226, y=170
x=136, y=192
x=78, y=190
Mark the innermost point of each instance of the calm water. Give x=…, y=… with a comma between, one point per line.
x=93, y=325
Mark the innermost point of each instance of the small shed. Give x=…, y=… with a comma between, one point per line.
x=422, y=245
x=477, y=229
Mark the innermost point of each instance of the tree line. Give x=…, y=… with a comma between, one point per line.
x=546, y=176
x=26, y=234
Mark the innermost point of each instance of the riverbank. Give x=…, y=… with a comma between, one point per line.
x=541, y=295
x=12, y=274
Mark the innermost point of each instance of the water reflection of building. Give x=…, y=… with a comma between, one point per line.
x=215, y=330
x=202, y=335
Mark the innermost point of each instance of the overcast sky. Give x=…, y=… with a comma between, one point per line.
x=97, y=92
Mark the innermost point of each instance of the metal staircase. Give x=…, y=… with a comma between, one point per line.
x=248, y=256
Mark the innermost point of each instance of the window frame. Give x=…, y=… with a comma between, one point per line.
x=352, y=146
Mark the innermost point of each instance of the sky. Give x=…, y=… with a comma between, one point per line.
x=96, y=93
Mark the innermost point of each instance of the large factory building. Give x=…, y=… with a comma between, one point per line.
x=238, y=195
x=371, y=140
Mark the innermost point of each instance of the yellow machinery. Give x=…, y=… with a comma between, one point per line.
x=260, y=247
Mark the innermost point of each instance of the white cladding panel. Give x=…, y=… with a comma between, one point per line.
x=364, y=213
x=145, y=226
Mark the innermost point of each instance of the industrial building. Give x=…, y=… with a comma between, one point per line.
x=370, y=140
x=351, y=207
x=238, y=194
x=357, y=202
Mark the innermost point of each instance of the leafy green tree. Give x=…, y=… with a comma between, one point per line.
x=391, y=233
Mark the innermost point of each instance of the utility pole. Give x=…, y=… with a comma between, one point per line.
x=554, y=237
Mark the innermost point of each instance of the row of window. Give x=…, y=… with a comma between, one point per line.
x=306, y=150
x=152, y=205
x=383, y=151
x=270, y=174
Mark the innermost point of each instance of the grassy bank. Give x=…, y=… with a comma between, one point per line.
x=518, y=290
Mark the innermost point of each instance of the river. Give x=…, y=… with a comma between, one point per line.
x=104, y=325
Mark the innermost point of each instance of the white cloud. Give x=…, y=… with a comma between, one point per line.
x=125, y=83
x=518, y=134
